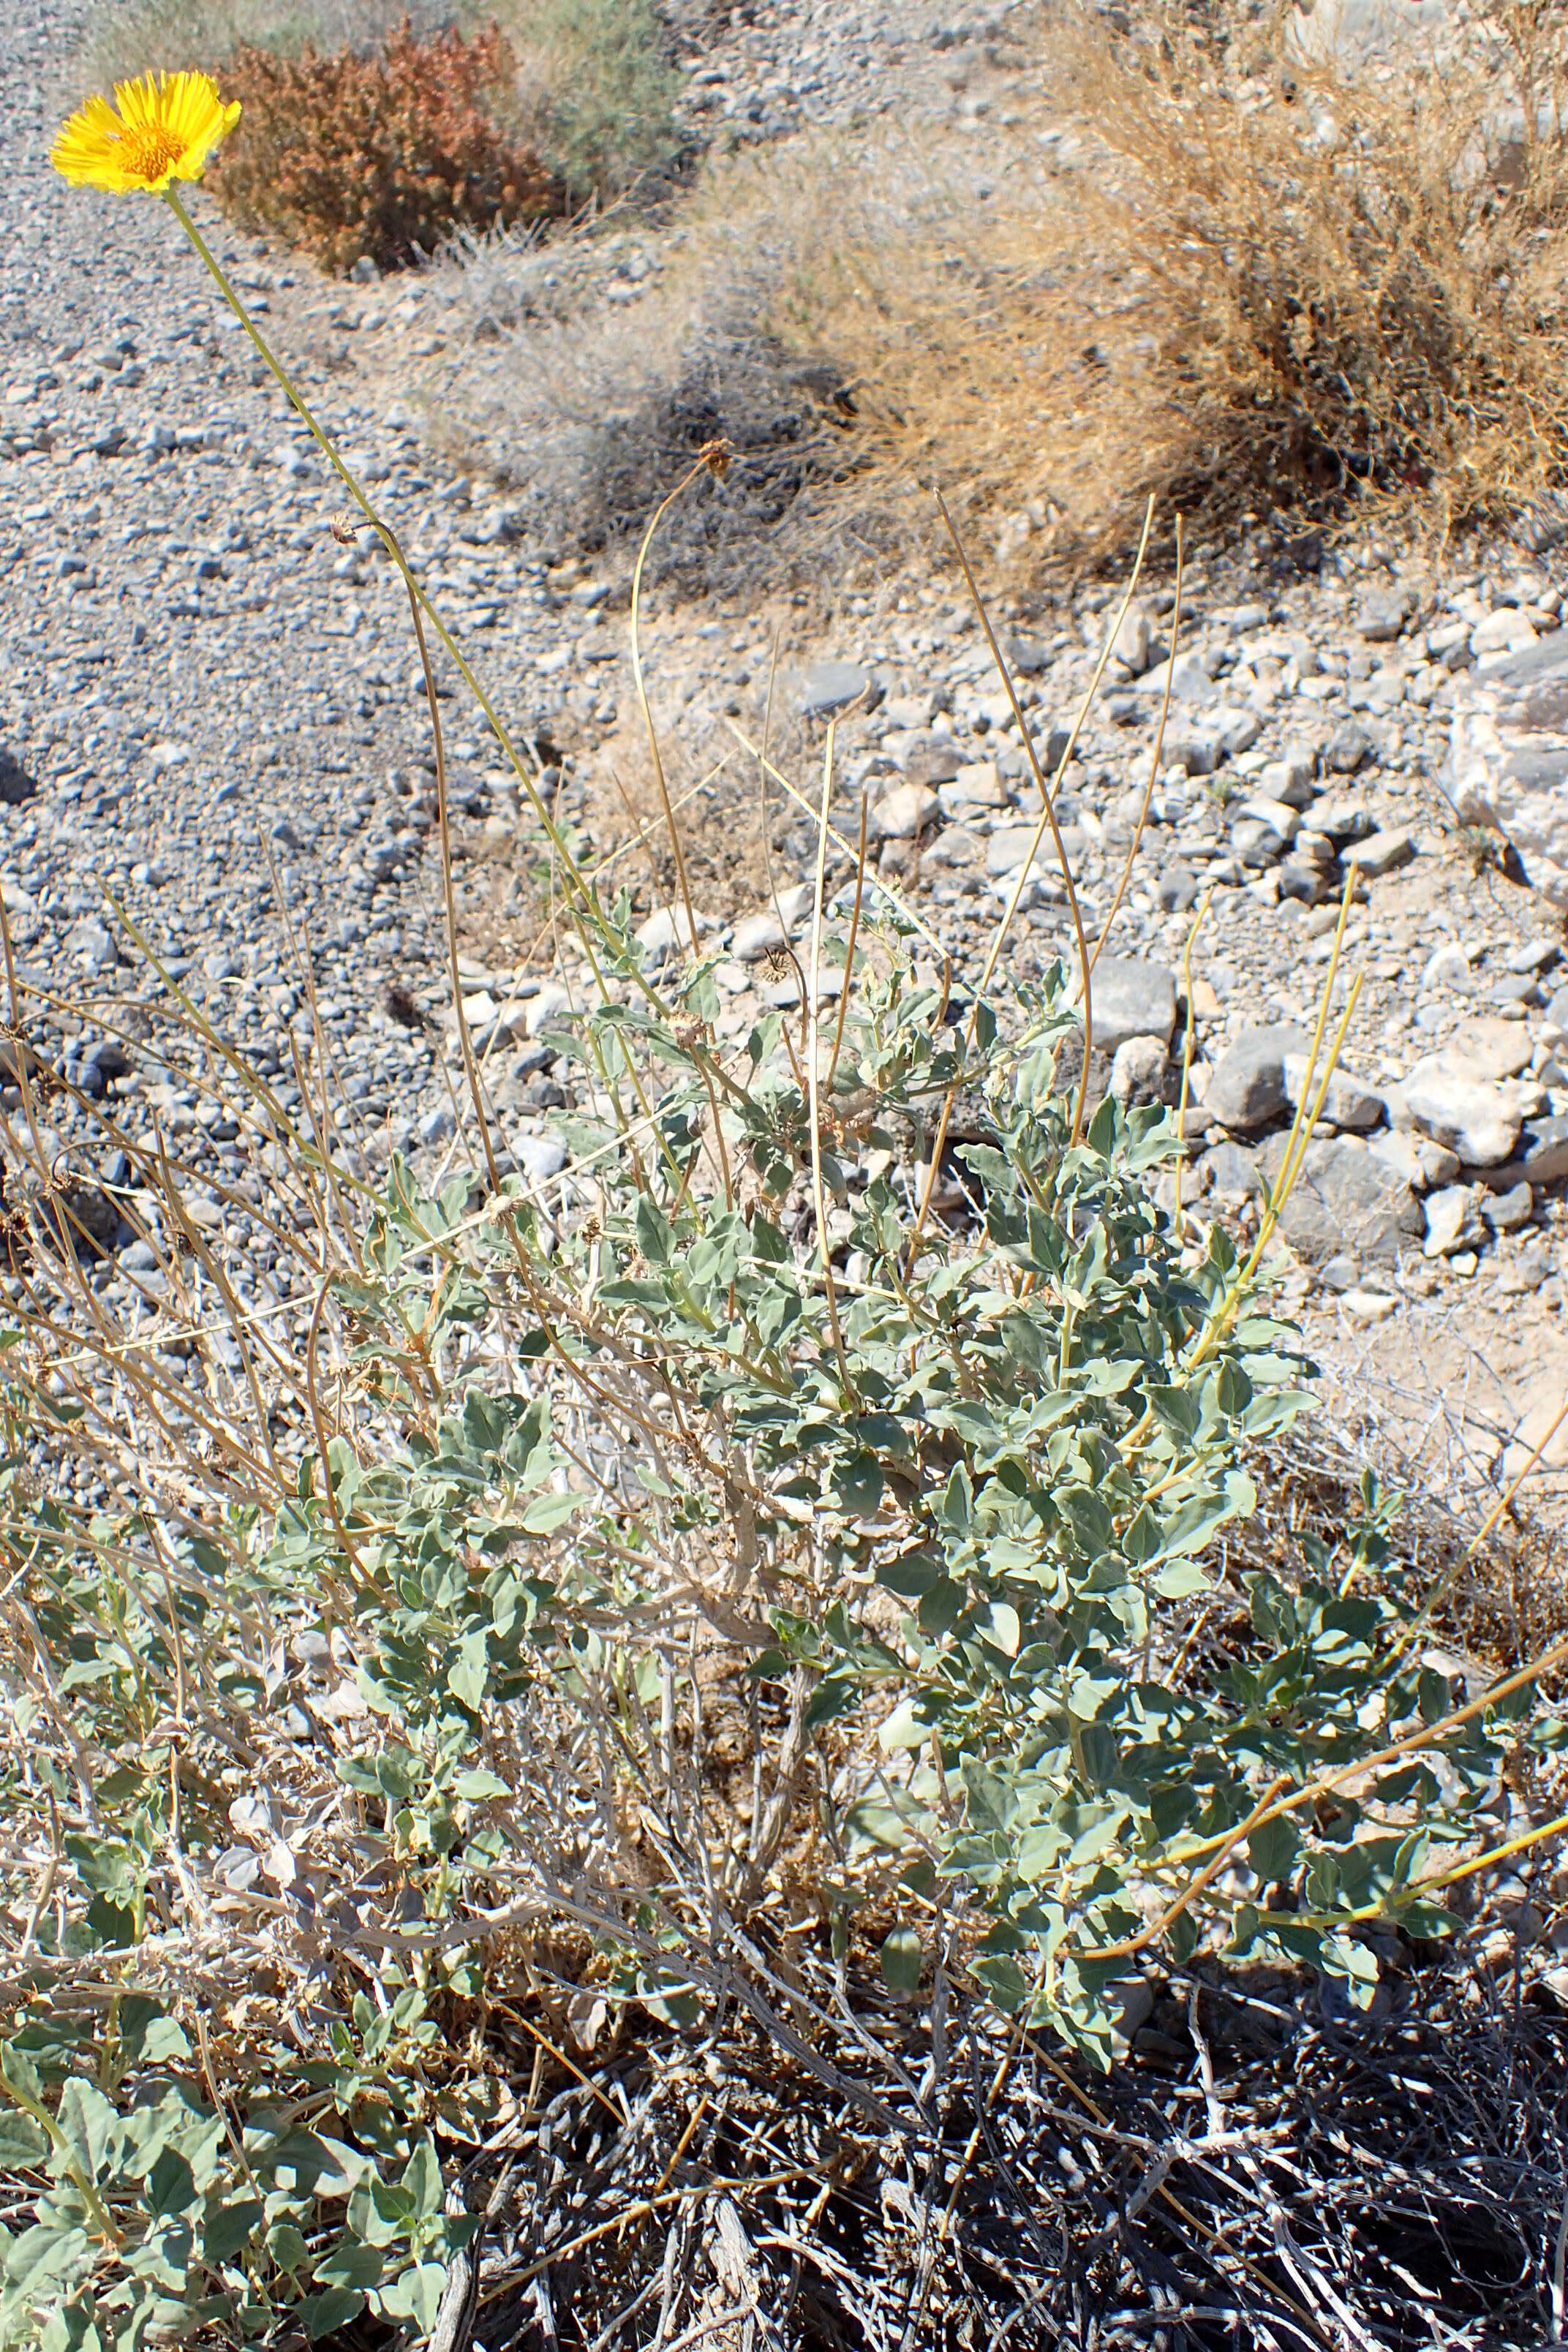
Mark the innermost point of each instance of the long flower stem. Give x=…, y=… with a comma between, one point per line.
x=389, y=540
x=587, y=916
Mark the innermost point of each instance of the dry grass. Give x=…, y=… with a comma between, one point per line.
x=124, y=39
x=1309, y=283
x=1180, y=261
x=754, y=307
x=1251, y=282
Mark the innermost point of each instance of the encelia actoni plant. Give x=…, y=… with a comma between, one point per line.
x=732, y=1596
x=775, y=1565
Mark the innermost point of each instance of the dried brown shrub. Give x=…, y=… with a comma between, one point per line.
x=382, y=157
x=1249, y=279
x=1337, y=282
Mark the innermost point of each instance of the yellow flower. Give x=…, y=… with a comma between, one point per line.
x=167, y=126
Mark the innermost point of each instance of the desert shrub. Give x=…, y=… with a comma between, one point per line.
x=599, y=88
x=1242, y=280
x=720, y=1569
x=587, y=83
x=1184, y=260
x=1335, y=283
x=610, y=398
x=381, y=157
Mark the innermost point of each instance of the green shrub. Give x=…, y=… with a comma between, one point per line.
x=945, y=1535
x=773, y=1545
x=601, y=88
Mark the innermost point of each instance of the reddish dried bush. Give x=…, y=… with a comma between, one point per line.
x=384, y=156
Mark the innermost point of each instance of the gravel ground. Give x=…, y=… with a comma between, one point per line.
x=1308, y=738
x=207, y=700
x=203, y=690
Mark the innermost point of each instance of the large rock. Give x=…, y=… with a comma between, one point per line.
x=1131, y=999
x=1029, y=655
x=1508, y=757
x=1177, y=887
x=757, y=936
x=1236, y=727
x=1453, y=1221
x=1186, y=674
x=1380, y=853
x=1345, y=1201
x=762, y=934
x=89, y=942
x=1506, y=631
x=538, y=1157
x=1480, y=1123
x=1508, y=1212
x=1204, y=747
x=935, y=761
x=1416, y=1159
x=668, y=927
x=1248, y=1087
x=1254, y=843
x=1234, y=1173
x=1383, y=618
x=977, y=785
x=1343, y=821
x=16, y=783
x=1131, y=646
x=1009, y=846
x=1199, y=753
x=1141, y=1071
x=1298, y=878
x=1280, y=816
x=1010, y=843
x=1292, y=779
x=1487, y=1049
x=1347, y=749
x=1473, y=1094
x=553, y=1002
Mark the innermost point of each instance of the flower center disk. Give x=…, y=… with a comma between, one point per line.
x=150, y=151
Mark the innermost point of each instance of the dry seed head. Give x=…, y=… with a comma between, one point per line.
x=343, y=529
x=716, y=456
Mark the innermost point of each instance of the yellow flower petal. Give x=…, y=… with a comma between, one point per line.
x=165, y=127
x=138, y=100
